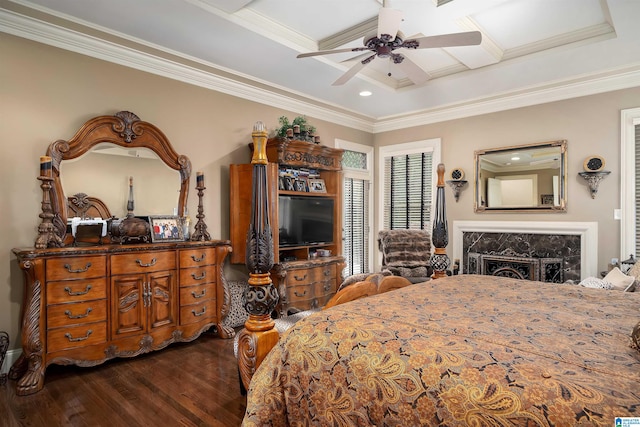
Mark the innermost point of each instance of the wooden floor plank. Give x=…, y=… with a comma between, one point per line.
x=191, y=384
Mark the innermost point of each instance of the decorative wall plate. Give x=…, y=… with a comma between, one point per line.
x=457, y=174
x=593, y=164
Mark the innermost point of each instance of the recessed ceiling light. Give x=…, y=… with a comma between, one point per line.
x=514, y=158
x=366, y=93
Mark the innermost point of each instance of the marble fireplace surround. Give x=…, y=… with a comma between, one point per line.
x=588, y=232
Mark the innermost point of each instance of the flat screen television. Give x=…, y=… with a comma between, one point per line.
x=305, y=220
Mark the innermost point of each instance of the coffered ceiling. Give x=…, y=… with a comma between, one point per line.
x=532, y=51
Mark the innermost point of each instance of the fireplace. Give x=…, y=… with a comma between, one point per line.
x=534, y=250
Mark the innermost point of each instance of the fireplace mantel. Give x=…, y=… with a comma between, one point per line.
x=588, y=232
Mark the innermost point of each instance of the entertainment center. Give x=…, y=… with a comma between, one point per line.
x=305, y=210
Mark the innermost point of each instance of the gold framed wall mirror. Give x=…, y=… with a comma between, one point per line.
x=522, y=178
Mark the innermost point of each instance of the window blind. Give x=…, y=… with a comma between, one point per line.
x=407, y=191
x=355, y=247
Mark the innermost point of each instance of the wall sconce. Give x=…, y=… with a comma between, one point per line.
x=593, y=173
x=457, y=182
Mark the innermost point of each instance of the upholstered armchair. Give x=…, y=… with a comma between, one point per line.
x=406, y=253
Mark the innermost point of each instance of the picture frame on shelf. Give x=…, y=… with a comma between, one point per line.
x=166, y=228
x=317, y=186
x=301, y=185
x=289, y=183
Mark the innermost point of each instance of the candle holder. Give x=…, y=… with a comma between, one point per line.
x=47, y=236
x=200, y=229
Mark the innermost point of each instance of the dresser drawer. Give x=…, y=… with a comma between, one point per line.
x=205, y=310
x=142, y=262
x=310, y=275
x=76, y=336
x=197, y=275
x=327, y=287
x=83, y=267
x=76, y=290
x=299, y=292
x=197, y=257
x=195, y=294
x=76, y=313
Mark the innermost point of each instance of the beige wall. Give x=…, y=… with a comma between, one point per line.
x=591, y=125
x=48, y=93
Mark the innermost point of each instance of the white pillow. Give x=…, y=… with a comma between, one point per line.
x=619, y=280
x=594, y=282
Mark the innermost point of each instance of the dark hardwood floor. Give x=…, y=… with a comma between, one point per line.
x=190, y=384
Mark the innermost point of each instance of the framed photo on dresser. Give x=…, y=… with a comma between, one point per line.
x=167, y=228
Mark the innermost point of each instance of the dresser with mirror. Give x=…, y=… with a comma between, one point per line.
x=97, y=285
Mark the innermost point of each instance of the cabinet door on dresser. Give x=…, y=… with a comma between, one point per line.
x=76, y=301
x=143, y=288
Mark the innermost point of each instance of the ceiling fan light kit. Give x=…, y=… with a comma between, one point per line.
x=388, y=38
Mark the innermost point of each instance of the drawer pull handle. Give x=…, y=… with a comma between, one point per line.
x=78, y=316
x=298, y=278
x=327, y=273
x=196, y=259
x=75, y=294
x=327, y=287
x=71, y=339
x=80, y=270
x=152, y=263
x=200, y=295
x=204, y=309
x=300, y=295
x=204, y=273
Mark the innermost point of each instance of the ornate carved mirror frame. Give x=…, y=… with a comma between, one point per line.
x=124, y=129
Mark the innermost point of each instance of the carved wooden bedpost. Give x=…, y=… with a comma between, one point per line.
x=258, y=336
x=440, y=236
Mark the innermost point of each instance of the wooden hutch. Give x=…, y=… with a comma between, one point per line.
x=117, y=297
x=304, y=279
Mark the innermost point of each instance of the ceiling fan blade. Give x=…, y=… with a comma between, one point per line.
x=413, y=71
x=327, y=52
x=353, y=71
x=468, y=38
x=388, y=23
x=357, y=58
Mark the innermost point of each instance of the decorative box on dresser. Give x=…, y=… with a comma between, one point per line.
x=123, y=294
x=304, y=280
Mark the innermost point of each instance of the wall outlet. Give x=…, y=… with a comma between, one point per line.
x=616, y=214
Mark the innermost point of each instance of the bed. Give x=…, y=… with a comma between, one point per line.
x=461, y=350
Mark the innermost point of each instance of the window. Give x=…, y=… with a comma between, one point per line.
x=357, y=236
x=408, y=176
x=630, y=182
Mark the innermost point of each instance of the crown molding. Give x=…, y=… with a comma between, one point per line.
x=158, y=61
x=616, y=79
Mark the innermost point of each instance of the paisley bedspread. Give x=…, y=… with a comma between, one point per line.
x=459, y=351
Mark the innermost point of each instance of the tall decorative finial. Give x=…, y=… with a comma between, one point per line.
x=259, y=136
x=440, y=236
x=261, y=298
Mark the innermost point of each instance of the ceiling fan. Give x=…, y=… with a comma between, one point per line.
x=388, y=38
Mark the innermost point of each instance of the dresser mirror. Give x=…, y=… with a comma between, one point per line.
x=104, y=155
x=104, y=172
x=529, y=178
